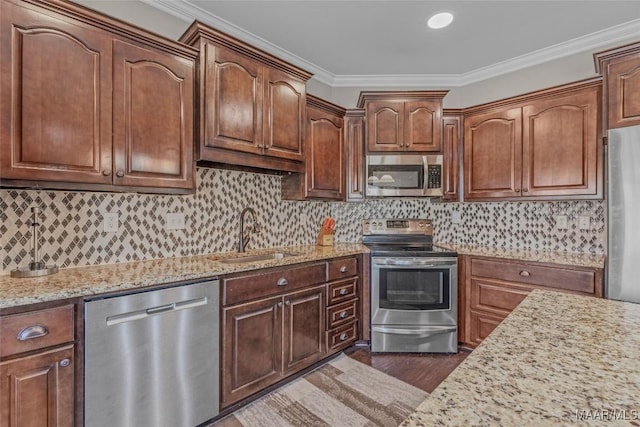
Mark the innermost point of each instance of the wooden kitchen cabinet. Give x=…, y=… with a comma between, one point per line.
x=451, y=149
x=541, y=146
x=494, y=287
x=93, y=104
x=403, y=121
x=620, y=68
x=251, y=104
x=37, y=378
x=355, y=158
x=324, y=176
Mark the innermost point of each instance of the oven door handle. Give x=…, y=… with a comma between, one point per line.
x=427, y=330
x=407, y=262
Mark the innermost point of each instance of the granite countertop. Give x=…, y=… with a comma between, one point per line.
x=557, y=359
x=93, y=280
x=553, y=257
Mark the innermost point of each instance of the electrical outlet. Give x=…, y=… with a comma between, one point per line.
x=174, y=221
x=110, y=222
x=456, y=217
x=561, y=222
x=584, y=222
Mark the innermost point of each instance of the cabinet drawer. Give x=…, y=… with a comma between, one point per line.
x=342, y=291
x=36, y=329
x=482, y=324
x=553, y=277
x=340, y=268
x=341, y=337
x=266, y=283
x=342, y=313
x=497, y=297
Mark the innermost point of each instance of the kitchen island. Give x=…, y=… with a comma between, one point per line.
x=556, y=359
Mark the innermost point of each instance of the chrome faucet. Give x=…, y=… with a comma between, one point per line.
x=245, y=235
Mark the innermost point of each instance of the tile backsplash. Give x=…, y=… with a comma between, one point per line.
x=72, y=231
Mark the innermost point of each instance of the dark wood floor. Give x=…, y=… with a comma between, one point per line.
x=424, y=371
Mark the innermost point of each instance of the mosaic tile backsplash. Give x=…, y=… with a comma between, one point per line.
x=72, y=232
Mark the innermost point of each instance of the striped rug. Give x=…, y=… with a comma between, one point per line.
x=343, y=392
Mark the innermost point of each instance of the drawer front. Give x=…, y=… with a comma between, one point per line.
x=341, y=337
x=553, y=277
x=340, y=268
x=267, y=283
x=482, y=324
x=36, y=329
x=496, y=297
x=342, y=291
x=342, y=313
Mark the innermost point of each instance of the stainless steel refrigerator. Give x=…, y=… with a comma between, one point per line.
x=623, y=206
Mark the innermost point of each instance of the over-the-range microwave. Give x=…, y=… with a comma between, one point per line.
x=404, y=175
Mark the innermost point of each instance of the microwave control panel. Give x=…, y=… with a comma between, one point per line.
x=434, y=176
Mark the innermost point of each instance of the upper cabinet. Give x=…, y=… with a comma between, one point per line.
x=403, y=121
x=621, y=70
x=545, y=145
x=451, y=149
x=354, y=143
x=324, y=176
x=251, y=104
x=92, y=104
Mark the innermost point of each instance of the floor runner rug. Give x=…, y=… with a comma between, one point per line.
x=342, y=392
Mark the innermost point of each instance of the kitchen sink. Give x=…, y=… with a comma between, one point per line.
x=253, y=258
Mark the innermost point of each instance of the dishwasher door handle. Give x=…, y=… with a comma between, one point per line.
x=152, y=311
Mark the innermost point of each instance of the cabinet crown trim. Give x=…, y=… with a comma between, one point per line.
x=399, y=95
x=319, y=103
x=599, y=58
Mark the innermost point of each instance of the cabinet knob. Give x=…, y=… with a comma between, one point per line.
x=343, y=336
x=343, y=269
x=32, y=332
x=119, y=173
x=525, y=273
x=279, y=304
x=65, y=362
x=524, y=190
x=106, y=172
x=287, y=303
x=343, y=314
x=517, y=190
x=343, y=291
x=282, y=282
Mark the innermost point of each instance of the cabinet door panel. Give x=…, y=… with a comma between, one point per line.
x=493, y=154
x=354, y=124
x=233, y=113
x=325, y=155
x=624, y=91
x=56, y=99
x=385, y=126
x=304, y=329
x=560, y=143
x=423, y=126
x=37, y=390
x=251, y=351
x=284, y=116
x=482, y=324
x=153, y=118
x=451, y=157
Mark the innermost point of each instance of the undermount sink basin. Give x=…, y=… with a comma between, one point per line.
x=253, y=258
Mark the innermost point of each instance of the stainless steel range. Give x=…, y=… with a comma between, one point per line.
x=413, y=288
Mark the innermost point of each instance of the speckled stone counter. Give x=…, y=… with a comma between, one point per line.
x=87, y=281
x=564, y=258
x=557, y=359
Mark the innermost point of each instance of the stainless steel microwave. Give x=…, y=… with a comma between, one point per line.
x=404, y=175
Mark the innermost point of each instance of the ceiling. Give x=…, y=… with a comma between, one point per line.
x=347, y=40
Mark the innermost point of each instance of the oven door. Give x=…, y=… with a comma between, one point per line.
x=414, y=291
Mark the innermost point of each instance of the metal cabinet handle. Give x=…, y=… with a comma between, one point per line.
x=343, y=269
x=343, y=291
x=32, y=332
x=106, y=172
x=343, y=314
x=525, y=273
x=343, y=336
x=282, y=282
x=65, y=362
x=119, y=173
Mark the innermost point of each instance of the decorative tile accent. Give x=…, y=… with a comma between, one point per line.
x=71, y=231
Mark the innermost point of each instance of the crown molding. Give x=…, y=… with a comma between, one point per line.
x=188, y=12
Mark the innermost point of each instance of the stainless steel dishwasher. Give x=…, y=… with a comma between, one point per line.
x=151, y=358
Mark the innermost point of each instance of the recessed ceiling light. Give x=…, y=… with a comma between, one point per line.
x=440, y=20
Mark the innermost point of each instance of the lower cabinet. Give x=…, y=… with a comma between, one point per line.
x=494, y=287
x=37, y=378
